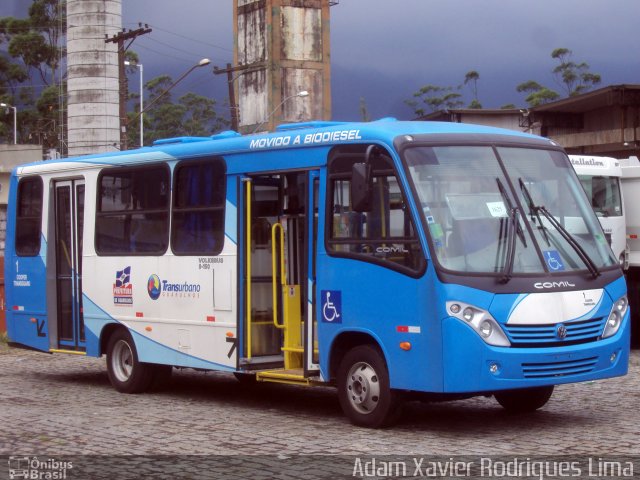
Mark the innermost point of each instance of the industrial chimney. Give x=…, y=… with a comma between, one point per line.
x=92, y=76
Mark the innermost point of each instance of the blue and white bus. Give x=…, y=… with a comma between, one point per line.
x=390, y=259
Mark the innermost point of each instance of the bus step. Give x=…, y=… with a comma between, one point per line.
x=293, y=376
x=296, y=349
x=293, y=349
x=72, y=352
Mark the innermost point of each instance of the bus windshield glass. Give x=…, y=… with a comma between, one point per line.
x=604, y=193
x=506, y=210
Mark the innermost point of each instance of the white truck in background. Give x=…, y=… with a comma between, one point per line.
x=631, y=193
x=613, y=187
x=600, y=178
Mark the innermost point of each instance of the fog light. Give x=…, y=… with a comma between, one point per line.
x=467, y=314
x=613, y=357
x=494, y=368
x=455, y=308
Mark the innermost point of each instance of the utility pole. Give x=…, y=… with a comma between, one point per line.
x=232, y=94
x=120, y=38
x=230, y=80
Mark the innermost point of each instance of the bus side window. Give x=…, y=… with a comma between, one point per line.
x=199, y=198
x=28, y=217
x=132, y=215
x=384, y=234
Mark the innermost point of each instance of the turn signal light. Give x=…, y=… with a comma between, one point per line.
x=405, y=346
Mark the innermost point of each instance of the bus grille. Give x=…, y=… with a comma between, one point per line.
x=558, y=369
x=546, y=335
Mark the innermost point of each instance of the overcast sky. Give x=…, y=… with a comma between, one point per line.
x=385, y=50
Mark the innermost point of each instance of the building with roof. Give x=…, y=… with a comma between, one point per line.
x=600, y=122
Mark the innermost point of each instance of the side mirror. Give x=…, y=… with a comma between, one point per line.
x=361, y=187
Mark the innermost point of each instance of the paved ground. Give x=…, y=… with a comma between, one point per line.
x=64, y=405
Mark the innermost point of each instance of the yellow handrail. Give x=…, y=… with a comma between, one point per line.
x=274, y=272
x=248, y=260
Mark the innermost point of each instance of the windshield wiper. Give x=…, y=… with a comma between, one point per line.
x=537, y=210
x=532, y=209
x=512, y=225
x=513, y=211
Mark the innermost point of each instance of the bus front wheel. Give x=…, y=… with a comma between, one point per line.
x=126, y=373
x=524, y=400
x=363, y=388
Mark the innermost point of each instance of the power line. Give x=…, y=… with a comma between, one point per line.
x=164, y=54
x=192, y=39
x=176, y=48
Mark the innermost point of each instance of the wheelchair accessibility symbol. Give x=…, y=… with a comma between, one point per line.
x=554, y=261
x=331, y=306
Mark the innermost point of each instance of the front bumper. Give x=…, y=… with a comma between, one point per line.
x=472, y=366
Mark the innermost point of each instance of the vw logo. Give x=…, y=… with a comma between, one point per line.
x=561, y=331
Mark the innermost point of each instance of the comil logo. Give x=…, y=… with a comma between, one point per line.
x=563, y=284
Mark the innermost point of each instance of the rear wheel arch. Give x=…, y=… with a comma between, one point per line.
x=106, y=334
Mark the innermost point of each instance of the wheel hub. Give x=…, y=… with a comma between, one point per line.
x=122, y=361
x=363, y=387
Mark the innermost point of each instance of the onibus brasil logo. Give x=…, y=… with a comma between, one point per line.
x=37, y=468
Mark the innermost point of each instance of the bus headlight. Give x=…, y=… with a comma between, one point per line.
x=616, y=315
x=481, y=321
x=467, y=314
x=486, y=329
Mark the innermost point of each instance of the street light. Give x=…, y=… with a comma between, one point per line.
x=15, y=121
x=302, y=93
x=141, y=67
x=202, y=63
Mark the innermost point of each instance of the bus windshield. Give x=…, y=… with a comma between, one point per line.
x=604, y=193
x=506, y=210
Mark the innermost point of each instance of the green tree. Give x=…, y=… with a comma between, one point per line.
x=30, y=74
x=191, y=115
x=471, y=80
x=537, y=94
x=434, y=98
x=575, y=78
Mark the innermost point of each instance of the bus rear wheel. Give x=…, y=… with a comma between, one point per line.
x=524, y=400
x=126, y=373
x=363, y=388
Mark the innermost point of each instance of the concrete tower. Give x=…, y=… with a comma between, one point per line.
x=92, y=76
x=281, y=48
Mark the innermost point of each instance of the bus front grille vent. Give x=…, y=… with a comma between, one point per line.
x=583, y=331
x=558, y=369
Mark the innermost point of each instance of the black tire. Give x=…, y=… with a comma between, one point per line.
x=126, y=373
x=363, y=388
x=524, y=400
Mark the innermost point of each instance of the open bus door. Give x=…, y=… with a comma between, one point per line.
x=280, y=213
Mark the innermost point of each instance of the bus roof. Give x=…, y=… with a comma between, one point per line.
x=287, y=136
